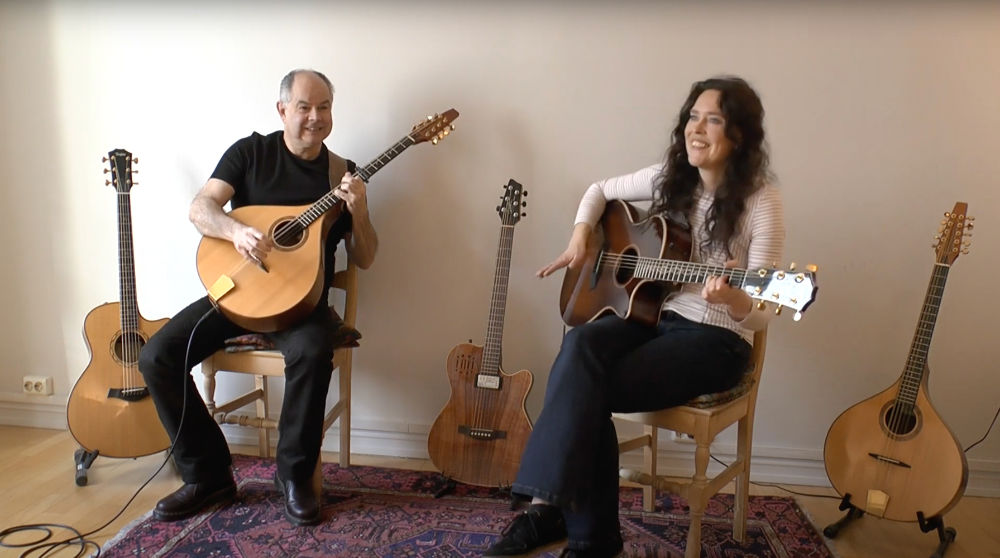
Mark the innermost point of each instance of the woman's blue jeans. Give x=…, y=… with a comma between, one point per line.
x=613, y=365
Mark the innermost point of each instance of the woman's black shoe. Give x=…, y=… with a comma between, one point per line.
x=538, y=526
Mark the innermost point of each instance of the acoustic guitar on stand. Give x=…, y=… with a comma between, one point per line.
x=269, y=295
x=109, y=410
x=891, y=455
x=632, y=265
x=479, y=436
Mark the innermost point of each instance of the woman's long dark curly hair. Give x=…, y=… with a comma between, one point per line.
x=746, y=169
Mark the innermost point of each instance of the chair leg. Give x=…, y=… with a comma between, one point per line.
x=649, y=464
x=696, y=498
x=742, y=498
x=317, y=479
x=264, y=433
x=345, y=415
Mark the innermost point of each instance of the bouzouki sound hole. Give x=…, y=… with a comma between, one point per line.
x=287, y=234
x=900, y=423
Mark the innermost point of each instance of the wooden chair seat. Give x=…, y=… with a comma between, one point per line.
x=264, y=364
x=702, y=418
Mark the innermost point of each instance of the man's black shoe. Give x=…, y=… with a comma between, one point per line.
x=192, y=498
x=537, y=527
x=301, y=504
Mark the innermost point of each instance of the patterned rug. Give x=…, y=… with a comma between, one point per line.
x=370, y=511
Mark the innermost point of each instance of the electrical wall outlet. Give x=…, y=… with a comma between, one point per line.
x=37, y=385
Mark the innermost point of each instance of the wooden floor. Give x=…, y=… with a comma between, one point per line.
x=37, y=484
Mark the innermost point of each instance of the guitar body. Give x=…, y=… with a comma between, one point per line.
x=491, y=459
x=937, y=472
x=596, y=289
x=291, y=286
x=115, y=427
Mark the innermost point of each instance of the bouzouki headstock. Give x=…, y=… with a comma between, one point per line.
x=511, y=203
x=952, y=238
x=786, y=288
x=435, y=128
x=120, y=168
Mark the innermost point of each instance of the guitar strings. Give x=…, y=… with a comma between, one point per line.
x=670, y=269
x=128, y=305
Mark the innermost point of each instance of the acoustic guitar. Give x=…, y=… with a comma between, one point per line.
x=891, y=453
x=269, y=295
x=480, y=434
x=109, y=410
x=633, y=264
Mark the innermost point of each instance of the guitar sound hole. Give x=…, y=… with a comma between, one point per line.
x=126, y=348
x=287, y=234
x=900, y=422
x=625, y=269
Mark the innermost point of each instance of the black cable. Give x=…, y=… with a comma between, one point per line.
x=977, y=442
x=79, y=540
x=778, y=486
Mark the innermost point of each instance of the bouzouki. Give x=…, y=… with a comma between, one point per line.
x=480, y=434
x=632, y=265
x=269, y=295
x=891, y=454
x=109, y=410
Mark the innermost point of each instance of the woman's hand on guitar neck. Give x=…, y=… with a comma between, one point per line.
x=718, y=291
x=574, y=254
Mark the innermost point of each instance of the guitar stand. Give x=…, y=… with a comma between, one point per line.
x=83, y=459
x=448, y=485
x=946, y=535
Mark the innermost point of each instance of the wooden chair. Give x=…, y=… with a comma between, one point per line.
x=702, y=418
x=271, y=363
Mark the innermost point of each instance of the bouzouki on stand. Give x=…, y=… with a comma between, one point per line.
x=109, y=411
x=632, y=265
x=480, y=434
x=891, y=455
x=269, y=295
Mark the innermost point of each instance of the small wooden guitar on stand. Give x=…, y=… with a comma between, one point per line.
x=891, y=455
x=479, y=436
x=269, y=295
x=110, y=412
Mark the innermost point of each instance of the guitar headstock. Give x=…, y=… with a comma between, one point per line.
x=435, y=128
x=511, y=203
x=120, y=168
x=948, y=242
x=786, y=288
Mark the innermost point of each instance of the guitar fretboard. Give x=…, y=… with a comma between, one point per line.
x=673, y=271
x=916, y=362
x=329, y=200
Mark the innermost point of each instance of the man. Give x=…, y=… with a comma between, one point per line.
x=291, y=166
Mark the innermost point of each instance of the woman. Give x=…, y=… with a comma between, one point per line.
x=716, y=176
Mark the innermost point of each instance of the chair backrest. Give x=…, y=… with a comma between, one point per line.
x=347, y=281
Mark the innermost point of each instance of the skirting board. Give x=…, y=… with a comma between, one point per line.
x=391, y=439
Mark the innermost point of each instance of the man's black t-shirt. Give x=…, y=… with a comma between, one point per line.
x=263, y=171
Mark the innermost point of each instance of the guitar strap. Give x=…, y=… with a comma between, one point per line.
x=338, y=166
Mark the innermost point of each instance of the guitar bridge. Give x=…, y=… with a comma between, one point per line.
x=129, y=394
x=481, y=433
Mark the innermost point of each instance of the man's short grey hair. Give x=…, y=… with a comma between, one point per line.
x=285, y=93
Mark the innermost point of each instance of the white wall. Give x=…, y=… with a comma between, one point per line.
x=880, y=118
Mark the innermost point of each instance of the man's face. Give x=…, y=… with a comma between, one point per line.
x=308, y=115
